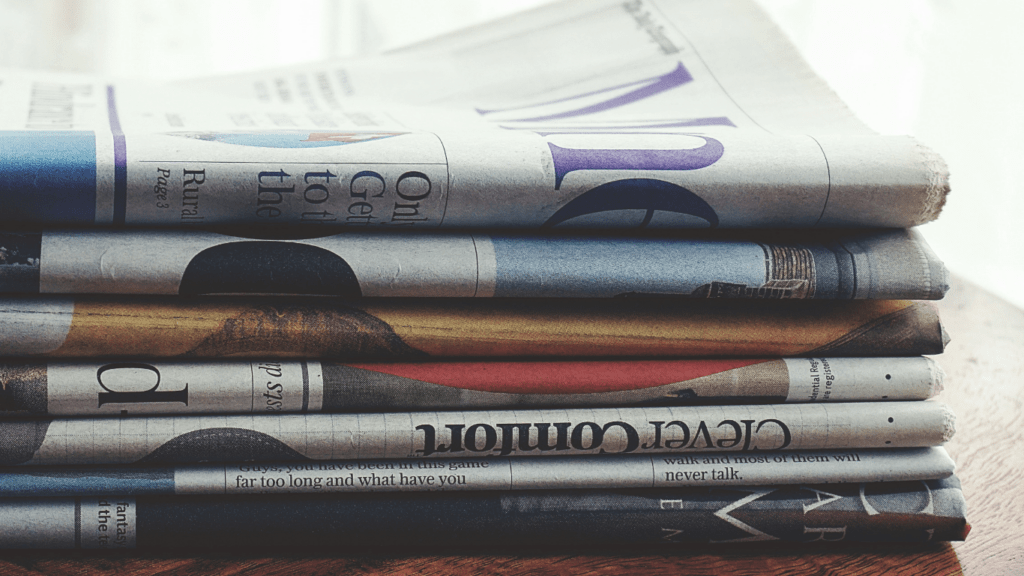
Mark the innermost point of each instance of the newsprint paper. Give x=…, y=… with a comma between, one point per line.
x=421, y=329
x=600, y=114
x=894, y=264
x=918, y=511
x=122, y=388
x=550, y=432
x=442, y=475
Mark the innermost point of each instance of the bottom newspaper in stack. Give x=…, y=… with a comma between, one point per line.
x=857, y=470
x=894, y=511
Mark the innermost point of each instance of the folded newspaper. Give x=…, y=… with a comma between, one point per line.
x=422, y=329
x=644, y=113
x=603, y=114
x=921, y=512
x=121, y=388
x=895, y=264
x=467, y=474
x=753, y=429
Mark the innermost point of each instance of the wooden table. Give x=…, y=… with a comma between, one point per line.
x=985, y=367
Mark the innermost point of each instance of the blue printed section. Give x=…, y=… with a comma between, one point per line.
x=48, y=177
x=85, y=482
x=594, y=267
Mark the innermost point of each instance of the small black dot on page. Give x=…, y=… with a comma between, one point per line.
x=890, y=419
x=888, y=376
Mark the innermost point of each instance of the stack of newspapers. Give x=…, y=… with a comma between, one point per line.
x=602, y=272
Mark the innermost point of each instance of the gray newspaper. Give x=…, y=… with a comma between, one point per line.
x=121, y=388
x=752, y=429
x=892, y=264
x=645, y=113
x=712, y=469
x=444, y=475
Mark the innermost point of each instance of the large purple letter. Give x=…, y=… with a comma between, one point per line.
x=571, y=159
x=645, y=88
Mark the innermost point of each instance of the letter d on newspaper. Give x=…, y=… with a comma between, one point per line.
x=121, y=388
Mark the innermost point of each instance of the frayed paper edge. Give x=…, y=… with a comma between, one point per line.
x=937, y=188
x=948, y=424
x=938, y=377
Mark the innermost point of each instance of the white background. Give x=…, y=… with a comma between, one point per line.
x=947, y=71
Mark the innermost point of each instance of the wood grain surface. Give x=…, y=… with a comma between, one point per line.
x=985, y=367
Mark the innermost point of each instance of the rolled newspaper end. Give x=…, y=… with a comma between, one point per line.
x=882, y=181
x=938, y=377
x=948, y=424
x=462, y=434
x=876, y=255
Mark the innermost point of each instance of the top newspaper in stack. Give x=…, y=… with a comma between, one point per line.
x=590, y=114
